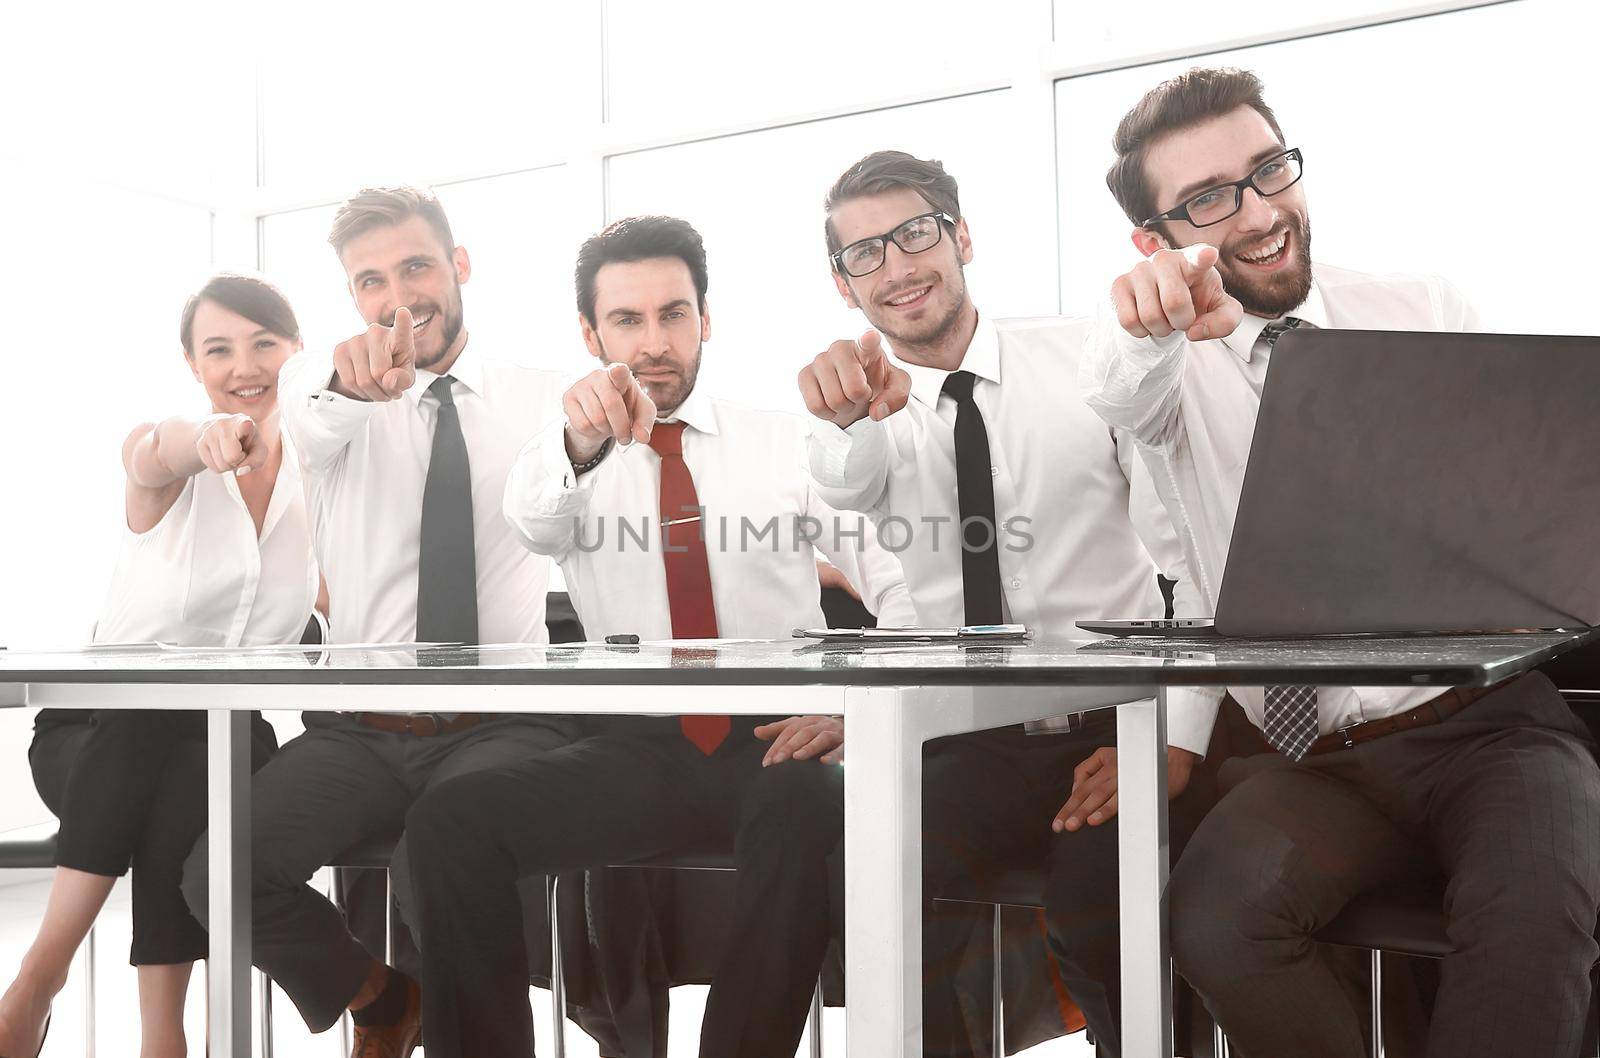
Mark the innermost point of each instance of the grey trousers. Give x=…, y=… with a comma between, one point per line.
x=1501, y=801
x=337, y=785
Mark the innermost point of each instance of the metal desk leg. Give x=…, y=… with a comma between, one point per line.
x=1142, y=860
x=885, y=728
x=228, y=782
x=883, y=876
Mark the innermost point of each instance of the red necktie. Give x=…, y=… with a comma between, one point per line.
x=694, y=614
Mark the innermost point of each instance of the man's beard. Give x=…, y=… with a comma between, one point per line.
x=1274, y=295
x=931, y=333
x=670, y=398
x=448, y=323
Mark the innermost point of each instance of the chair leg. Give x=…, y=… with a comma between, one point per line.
x=558, y=998
x=264, y=984
x=388, y=919
x=998, y=1031
x=814, y=1021
x=1377, y=1003
x=1219, y=1041
x=336, y=894
x=88, y=994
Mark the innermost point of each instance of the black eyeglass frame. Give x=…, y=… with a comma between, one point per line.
x=837, y=257
x=1181, y=210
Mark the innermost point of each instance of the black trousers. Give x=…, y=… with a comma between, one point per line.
x=129, y=787
x=988, y=802
x=1501, y=802
x=613, y=799
x=333, y=787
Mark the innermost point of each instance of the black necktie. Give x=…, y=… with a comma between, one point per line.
x=447, y=569
x=980, y=553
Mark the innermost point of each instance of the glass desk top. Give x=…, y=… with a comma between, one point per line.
x=1474, y=660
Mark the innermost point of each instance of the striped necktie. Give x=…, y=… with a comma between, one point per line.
x=1289, y=712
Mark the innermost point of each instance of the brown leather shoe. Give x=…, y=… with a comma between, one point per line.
x=393, y=1041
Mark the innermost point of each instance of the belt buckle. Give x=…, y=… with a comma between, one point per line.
x=1344, y=733
x=436, y=719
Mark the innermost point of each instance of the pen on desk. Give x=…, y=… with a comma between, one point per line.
x=624, y=640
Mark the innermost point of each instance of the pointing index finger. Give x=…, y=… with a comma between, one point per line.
x=1198, y=259
x=405, y=341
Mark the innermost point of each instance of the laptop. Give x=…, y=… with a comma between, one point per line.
x=1414, y=482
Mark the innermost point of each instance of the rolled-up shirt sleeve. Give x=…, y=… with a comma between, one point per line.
x=1191, y=714
x=1134, y=384
x=850, y=466
x=319, y=422
x=867, y=564
x=544, y=496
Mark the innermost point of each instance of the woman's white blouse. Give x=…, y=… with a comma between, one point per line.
x=201, y=578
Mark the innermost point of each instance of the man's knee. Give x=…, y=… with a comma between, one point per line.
x=1225, y=903
x=442, y=819
x=799, y=801
x=1547, y=915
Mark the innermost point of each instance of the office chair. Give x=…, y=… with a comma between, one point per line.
x=699, y=861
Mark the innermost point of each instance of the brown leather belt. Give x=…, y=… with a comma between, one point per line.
x=422, y=725
x=1433, y=711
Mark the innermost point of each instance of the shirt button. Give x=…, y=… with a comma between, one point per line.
x=1016, y=582
x=994, y=472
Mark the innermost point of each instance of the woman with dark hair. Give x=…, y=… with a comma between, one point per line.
x=216, y=553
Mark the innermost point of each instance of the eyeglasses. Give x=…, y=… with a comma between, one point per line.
x=1217, y=204
x=865, y=256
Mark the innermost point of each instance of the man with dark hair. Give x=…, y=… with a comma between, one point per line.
x=405, y=436
x=1492, y=792
x=975, y=423
x=727, y=549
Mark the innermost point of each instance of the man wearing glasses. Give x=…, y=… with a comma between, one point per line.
x=1491, y=793
x=975, y=423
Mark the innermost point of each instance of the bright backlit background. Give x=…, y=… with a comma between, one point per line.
x=143, y=147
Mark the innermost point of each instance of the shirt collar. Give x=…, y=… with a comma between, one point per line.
x=698, y=412
x=1242, y=341
x=467, y=370
x=982, y=358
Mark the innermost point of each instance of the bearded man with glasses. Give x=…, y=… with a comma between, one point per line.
x=1491, y=794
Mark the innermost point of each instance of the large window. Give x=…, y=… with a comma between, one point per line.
x=521, y=240
x=757, y=199
x=723, y=61
x=408, y=91
x=1431, y=146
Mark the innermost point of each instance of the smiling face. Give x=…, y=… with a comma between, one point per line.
x=918, y=300
x=648, y=316
x=237, y=361
x=1265, y=248
x=391, y=265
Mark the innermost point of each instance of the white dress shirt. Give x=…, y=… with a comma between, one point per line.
x=201, y=577
x=1193, y=407
x=365, y=465
x=1073, y=485
x=762, y=525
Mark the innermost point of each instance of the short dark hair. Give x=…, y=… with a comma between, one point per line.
x=639, y=239
x=885, y=171
x=255, y=299
x=375, y=207
x=1189, y=99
